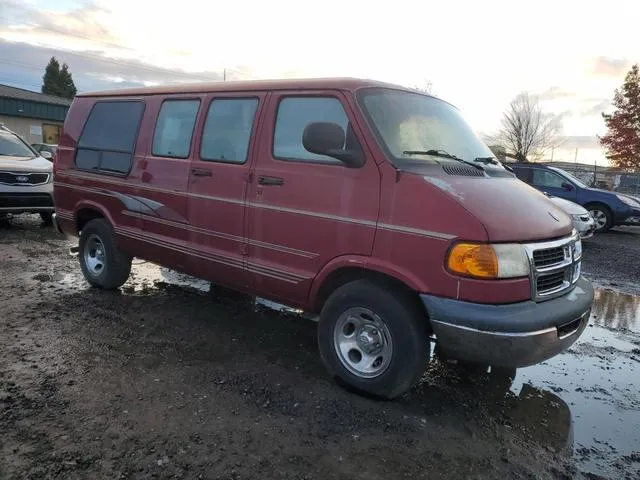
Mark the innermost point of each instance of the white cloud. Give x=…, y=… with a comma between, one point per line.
x=477, y=55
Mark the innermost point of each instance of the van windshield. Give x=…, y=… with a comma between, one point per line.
x=411, y=124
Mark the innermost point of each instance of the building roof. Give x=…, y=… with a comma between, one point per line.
x=252, y=85
x=28, y=95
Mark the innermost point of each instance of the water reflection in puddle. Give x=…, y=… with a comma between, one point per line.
x=616, y=310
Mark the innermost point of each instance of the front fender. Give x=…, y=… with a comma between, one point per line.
x=364, y=263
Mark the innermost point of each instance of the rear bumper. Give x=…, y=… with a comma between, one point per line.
x=514, y=335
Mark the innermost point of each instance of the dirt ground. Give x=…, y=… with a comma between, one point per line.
x=166, y=379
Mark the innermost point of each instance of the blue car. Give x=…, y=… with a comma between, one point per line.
x=608, y=209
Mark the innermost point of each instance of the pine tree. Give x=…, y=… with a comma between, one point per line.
x=58, y=81
x=66, y=82
x=51, y=78
x=622, y=141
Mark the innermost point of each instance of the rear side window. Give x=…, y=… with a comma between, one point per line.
x=109, y=136
x=174, y=128
x=523, y=174
x=545, y=178
x=294, y=114
x=227, y=130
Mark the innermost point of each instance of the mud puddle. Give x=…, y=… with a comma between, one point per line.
x=584, y=402
x=587, y=398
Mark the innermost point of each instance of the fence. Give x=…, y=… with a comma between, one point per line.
x=608, y=179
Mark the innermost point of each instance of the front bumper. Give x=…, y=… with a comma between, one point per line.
x=585, y=229
x=26, y=202
x=513, y=335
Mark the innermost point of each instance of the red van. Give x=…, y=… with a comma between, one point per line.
x=375, y=206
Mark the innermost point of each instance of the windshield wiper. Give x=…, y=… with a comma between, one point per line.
x=489, y=160
x=442, y=154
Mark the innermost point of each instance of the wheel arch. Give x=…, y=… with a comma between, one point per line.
x=87, y=211
x=347, y=269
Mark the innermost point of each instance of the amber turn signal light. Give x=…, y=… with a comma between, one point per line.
x=473, y=260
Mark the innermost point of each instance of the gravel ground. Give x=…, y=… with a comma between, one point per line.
x=165, y=379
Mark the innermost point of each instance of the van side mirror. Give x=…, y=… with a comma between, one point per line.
x=567, y=186
x=45, y=154
x=325, y=138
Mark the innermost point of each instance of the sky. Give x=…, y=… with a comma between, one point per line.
x=475, y=54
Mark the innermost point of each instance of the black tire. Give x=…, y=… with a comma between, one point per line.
x=47, y=218
x=606, y=211
x=405, y=323
x=115, y=265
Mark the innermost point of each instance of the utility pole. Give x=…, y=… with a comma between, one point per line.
x=575, y=158
x=224, y=75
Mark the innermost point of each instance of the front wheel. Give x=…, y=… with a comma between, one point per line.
x=602, y=217
x=373, y=339
x=103, y=264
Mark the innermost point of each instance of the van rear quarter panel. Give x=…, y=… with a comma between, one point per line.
x=76, y=190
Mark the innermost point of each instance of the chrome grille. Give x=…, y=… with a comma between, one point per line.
x=549, y=256
x=23, y=178
x=555, y=266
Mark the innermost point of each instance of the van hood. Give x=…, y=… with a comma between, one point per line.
x=23, y=164
x=509, y=209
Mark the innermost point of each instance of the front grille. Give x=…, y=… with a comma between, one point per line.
x=19, y=178
x=25, y=200
x=555, y=266
x=551, y=282
x=549, y=256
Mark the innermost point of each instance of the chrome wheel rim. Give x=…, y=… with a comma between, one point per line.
x=599, y=217
x=363, y=342
x=94, y=255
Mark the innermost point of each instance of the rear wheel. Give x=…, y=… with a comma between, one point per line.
x=373, y=339
x=602, y=217
x=103, y=264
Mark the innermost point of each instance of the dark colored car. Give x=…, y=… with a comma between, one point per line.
x=608, y=209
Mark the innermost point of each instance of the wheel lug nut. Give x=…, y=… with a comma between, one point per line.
x=374, y=332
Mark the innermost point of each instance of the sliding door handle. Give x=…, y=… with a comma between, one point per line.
x=262, y=180
x=201, y=172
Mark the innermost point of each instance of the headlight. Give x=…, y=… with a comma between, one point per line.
x=629, y=201
x=488, y=261
x=577, y=250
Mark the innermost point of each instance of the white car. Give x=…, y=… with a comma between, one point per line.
x=582, y=220
x=26, y=178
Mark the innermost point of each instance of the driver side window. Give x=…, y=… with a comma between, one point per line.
x=545, y=178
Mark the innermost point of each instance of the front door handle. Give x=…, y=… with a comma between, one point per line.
x=262, y=180
x=201, y=172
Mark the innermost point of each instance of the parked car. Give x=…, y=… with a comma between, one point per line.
x=582, y=220
x=608, y=209
x=26, y=179
x=46, y=150
x=374, y=206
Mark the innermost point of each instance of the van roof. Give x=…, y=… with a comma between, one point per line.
x=346, y=83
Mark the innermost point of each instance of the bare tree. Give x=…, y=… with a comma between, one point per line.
x=526, y=131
